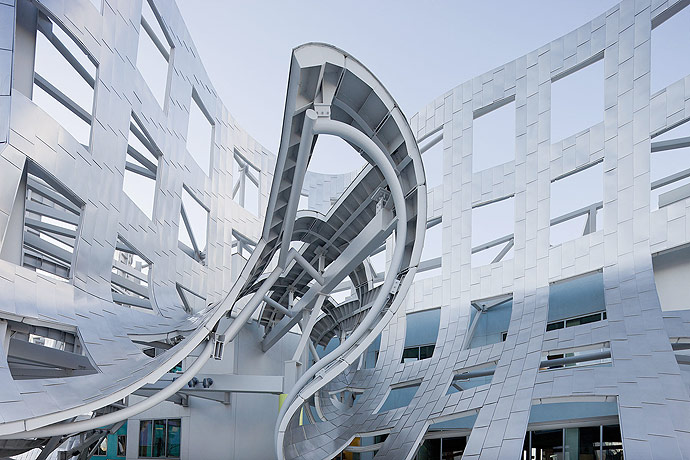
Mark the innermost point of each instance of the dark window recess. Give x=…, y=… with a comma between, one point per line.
x=594, y=317
x=595, y=442
x=417, y=353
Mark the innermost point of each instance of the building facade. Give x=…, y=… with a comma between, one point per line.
x=169, y=288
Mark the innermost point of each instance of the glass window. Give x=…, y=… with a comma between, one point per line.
x=145, y=428
x=583, y=320
x=429, y=450
x=410, y=354
x=158, y=438
x=174, y=435
x=452, y=448
x=547, y=445
x=613, y=443
x=426, y=351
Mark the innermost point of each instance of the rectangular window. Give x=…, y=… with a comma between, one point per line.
x=432, y=252
x=246, y=190
x=669, y=42
x=51, y=224
x=141, y=167
x=576, y=321
x=145, y=438
x=159, y=438
x=489, y=321
x=576, y=301
x=670, y=166
x=577, y=100
x=493, y=135
x=493, y=227
x=200, y=132
x=592, y=442
x=64, y=80
x=129, y=282
x=671, y=275
x=153, y=54
x=193, y=226
x=420, y=335
x=432, y=158
x=577, y=204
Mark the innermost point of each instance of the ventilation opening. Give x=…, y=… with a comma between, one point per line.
x=40, y=352
x=432, y=158
x=671, y=274
x=129, y=281
x=577, y=204
x=493, y=135
x=192, y=227
x=669, y=43
x=670, y=166
x=333, y=155
x=51, y=223
x=200, y=133
x=153, y=54
x=399, y=396
x=246, y=191
x=489, y=321
x=432, y=252
x=420, y=334
x=141, y=167
x=576, y=301
x=493, y=227
x=64, y=80
x=577, y=100
x=192, y=301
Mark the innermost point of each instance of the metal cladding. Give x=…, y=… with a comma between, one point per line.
x=74, y=282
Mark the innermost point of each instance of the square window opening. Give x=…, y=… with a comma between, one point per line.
x=577, y=100
x=493, y=227
x=200, y=133
x=141, y=167
x=193, y=226
x=246, y=190
x=493, y=135
x=576, y=200
x=64, y=80
x=669, y=42
x=154, y=52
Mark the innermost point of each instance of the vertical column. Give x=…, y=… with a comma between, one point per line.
x=653, y=399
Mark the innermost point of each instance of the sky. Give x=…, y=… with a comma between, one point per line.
x=418, y=50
